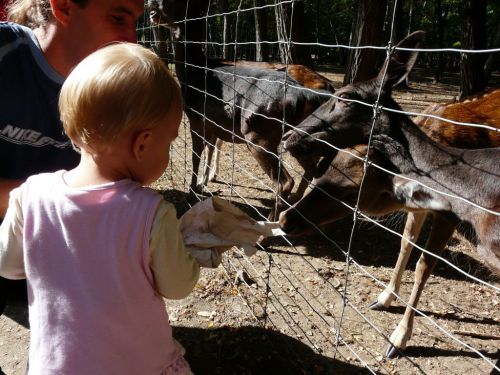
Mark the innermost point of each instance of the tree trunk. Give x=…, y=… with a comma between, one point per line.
x=367, y=31
x=291, y=26
x=494, y=58
x=227, y=51
x=410, y=17
x=399, y=24
x=301, y=54
x=438, y=12
x=474, y=37
x=281, y=31
x=261, y=49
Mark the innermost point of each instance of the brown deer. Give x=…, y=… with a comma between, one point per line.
x=483, y=109
x=333, y=196
x=400, y=146
x=237, y=104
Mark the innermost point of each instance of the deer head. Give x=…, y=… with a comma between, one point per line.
x=346, y=119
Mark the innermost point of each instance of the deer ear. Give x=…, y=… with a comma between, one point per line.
x=413, y=195
x=401, y=62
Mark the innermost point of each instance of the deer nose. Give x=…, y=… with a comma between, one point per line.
x=291, y=141
x=287, y=220
x=287, y=135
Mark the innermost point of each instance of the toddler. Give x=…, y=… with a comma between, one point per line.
x=98, y=249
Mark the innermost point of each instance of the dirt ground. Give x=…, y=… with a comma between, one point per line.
x=282, y=311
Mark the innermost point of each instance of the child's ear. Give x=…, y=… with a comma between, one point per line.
x=61, y=10
x=141, y=142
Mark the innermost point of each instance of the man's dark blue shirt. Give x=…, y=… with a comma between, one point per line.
x=31, y=135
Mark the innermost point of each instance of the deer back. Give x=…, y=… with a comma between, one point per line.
x=482, y=109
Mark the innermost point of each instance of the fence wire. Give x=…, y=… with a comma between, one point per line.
x=282, y=299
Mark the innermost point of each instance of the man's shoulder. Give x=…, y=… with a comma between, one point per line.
x=12, y=32
x=20, y=49
x=12, y=36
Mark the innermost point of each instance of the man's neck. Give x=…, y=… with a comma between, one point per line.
x=51, y=44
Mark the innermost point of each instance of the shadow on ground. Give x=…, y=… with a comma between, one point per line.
x=254, y=350
x=14, y=293
x=371, y=246
x=375, y=246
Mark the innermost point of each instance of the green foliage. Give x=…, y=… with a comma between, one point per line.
x=329, y=22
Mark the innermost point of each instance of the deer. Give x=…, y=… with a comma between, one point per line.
x=482, y=108
x=423, y=165
x=237, y=104
x=332, y=197
x=301, y=73
x=304, y=75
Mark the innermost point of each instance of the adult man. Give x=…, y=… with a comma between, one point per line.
x=33, y=64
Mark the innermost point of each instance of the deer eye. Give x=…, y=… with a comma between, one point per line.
x=345, y=95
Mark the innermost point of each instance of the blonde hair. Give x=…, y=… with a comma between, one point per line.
x=119, y=88
x=33, y=13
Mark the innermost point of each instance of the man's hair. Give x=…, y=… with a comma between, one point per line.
x=117, y=89
x=32, y=13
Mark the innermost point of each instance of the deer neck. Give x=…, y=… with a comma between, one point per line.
x=410, y=150
x=188, y=55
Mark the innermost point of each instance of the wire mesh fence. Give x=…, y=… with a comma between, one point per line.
x=317, y=288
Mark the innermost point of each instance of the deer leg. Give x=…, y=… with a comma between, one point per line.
x=301, y=189
x=488, y=247
x=280, y=176
x=414, y=222
x=491, y=255
x=214, y=171
x=308, y=164
x=160, y=36
x=441, y=231
x=209, y=151
x=198, y=145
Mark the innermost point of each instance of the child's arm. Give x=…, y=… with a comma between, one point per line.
x=11, y=239
x=175, y=270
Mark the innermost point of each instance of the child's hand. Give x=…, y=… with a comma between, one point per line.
x=213, y=226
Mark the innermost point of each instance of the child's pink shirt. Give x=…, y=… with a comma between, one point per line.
x=93, y=306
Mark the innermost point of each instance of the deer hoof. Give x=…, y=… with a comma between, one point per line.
x=212, y=177
x=199, y=188
x=295, y=197
x=398, y=340
x=384, y=300
x=195, y=188
x=3, y=303
x=392, y=352
x=377, y=306
x=265, y=242
x=273, y=216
